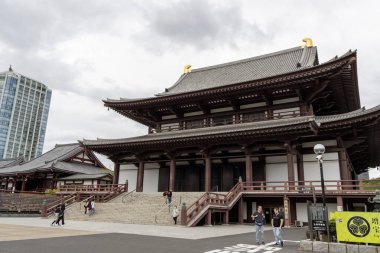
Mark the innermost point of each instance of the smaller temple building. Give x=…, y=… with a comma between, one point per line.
x=66, y=164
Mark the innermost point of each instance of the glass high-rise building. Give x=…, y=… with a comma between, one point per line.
x=24, y=110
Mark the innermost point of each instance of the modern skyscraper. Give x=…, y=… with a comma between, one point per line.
x=24, y=110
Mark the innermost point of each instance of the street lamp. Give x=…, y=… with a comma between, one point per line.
x=319, y=150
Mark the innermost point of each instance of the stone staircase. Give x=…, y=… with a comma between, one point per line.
x=134, y=208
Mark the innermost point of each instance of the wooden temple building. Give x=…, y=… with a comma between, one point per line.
x=253, y=121
x=66, y=164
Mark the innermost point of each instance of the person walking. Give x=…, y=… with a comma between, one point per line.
x=169, y=195
x=259, y=219
x=175, y=214
x=56, y=216
x=63, y=207
x=277, y=223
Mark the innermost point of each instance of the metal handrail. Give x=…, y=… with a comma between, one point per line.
x=126, y=195
x=167, y=205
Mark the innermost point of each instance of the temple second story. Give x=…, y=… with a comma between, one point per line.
x=285, y=84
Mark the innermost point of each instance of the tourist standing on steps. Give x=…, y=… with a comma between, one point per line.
x=92, y=205
x=259, y=219
x=165, y=194
x=169, y=195
x=277, y=223
x=85, y=206
x=175, y=214
x=63, y=207
x=89, y=206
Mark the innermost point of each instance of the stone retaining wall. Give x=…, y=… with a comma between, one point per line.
x=332, y=247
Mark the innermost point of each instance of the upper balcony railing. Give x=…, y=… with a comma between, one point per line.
x=227, y=120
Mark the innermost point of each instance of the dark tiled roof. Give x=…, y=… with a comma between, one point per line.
x=245, y=70
x=204, y=131
x=53, y=159
x=10, y=162
x=319, y=121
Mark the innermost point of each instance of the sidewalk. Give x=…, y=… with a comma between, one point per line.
x=89, y=227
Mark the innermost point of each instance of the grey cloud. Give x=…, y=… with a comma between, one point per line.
x=197, y=24
x=31, y=25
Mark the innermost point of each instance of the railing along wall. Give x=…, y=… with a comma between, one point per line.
x=332, y=187
x=229, y=121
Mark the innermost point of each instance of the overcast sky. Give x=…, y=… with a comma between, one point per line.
x=90, y=50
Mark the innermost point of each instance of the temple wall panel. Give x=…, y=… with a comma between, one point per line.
x=223, y=109
x=286, y=100
x=169, y=117
x=88, y=182
x=330, y=167
x=276, y=169
x=189, y=114
x=151, y=180
x=246, y=106
x=128, y=172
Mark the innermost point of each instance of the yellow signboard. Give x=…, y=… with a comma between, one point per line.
x=357, y=227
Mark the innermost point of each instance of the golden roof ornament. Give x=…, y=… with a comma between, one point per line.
x=308, y=42
x=187, y=69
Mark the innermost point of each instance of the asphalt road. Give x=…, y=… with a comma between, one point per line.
x=114, y=242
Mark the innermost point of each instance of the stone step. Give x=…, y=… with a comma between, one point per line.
x=134, y=208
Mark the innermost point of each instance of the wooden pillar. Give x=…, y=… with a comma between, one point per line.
x=208, y=218
x=207, y=173
x=240, y=211
x=300, y=168
x=140, y=177
x=227, y=217
x=172, y=174
x=290, y=169
x=343, y=166
x=116, y=172
x=339, y=203
x=248, y=169
x=23, y=186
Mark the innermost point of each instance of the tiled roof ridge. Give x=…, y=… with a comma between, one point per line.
x=163, y=94
x=231, y=63
x=259, y=57
x=51, y=150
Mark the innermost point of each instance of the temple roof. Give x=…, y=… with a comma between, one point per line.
x=341, y=71
x=10, y=162
x=241, y=71
x=56, y=159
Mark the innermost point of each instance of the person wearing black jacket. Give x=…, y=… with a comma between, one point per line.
x=57, y=216
x=277, y=224
x=63, y=207
x=259, y=219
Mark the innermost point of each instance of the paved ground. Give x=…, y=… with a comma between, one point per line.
x=218, y=239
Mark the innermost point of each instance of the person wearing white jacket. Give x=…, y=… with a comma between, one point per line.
x=175, y=214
